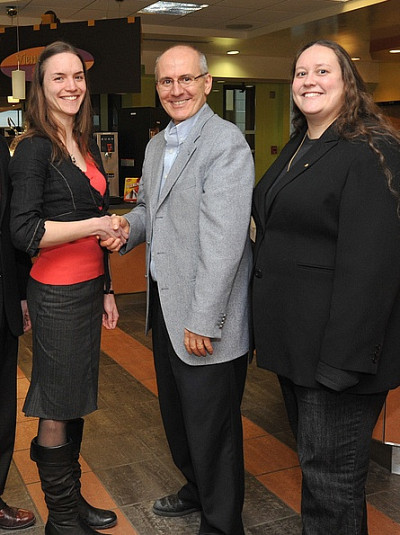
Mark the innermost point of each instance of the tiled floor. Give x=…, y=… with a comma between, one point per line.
x=126, y=461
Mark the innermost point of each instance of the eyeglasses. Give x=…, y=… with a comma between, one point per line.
x=184, y=81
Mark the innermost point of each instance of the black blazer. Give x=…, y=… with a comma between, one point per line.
x=43, y=189
x=14, y=265
x=327, y=265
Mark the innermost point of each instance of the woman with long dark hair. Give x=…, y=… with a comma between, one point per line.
x=326, y=285
x=59, y=212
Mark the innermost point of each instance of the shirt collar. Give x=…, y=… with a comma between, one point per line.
x=181, y=131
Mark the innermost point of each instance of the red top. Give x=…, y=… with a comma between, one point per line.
x=75, y=261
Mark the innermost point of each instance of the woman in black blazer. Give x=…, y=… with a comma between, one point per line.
x=326, y=301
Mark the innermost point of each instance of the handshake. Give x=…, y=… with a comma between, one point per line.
x=114, y=233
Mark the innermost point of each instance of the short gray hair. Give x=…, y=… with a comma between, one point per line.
x=202, y=58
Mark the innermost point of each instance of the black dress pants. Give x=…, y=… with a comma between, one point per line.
x=8, y=398
x=200, y=408
x=333, y=431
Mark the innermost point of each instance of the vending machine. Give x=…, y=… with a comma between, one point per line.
x=108, y=145
x=135, y=127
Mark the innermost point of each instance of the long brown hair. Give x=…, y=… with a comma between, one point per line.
x=359, y=117
x=39, y=119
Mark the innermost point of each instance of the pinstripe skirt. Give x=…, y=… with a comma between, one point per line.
x=66, y=331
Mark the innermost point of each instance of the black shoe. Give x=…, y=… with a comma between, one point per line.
x=59, y=486
x=93, y=516
x=172, y=505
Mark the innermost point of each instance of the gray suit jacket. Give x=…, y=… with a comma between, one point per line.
x=199, y=226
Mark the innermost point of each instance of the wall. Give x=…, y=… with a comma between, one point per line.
x=145, y=98
x=261, y=67
x=272, y=122
x=272, y=115
x=388, y=87
x=240, y=66
x=216, y=101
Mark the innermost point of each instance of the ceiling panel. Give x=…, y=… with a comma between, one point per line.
x=266, y=16
x=249, y=4
x=217, y=17
x=278, y=27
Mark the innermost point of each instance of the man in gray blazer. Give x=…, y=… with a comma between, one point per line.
x=193, y=211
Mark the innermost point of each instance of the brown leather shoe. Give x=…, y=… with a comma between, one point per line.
x=14, y=518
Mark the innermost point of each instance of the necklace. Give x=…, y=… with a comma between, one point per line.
x=295, y=154
x=73, y=159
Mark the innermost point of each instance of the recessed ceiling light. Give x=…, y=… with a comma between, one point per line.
x=395, y=51
x=172, y=8
x=233, y=52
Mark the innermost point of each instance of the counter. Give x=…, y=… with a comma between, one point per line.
x=128, y=271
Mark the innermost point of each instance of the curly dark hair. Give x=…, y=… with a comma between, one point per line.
x=359, y=117
x=39, y=119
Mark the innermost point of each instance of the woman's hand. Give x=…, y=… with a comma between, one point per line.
x=115, y=244
x=110, y=315
x=113, y=228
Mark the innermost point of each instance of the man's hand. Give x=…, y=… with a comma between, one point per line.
x=118, y=223
x=197, y=344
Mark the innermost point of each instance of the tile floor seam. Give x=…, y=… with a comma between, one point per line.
x=378, y=518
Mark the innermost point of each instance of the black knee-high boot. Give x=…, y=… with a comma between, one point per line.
x=93, y=516
x=58, y=484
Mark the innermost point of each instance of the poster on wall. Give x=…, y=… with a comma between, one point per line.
x=110, y=48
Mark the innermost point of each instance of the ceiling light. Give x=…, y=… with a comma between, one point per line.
x=172, y=8
x=233, y=52
x=12, y=11
x=356, y=58
x=395, y=51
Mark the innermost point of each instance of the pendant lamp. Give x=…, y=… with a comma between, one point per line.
x=18, y=76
